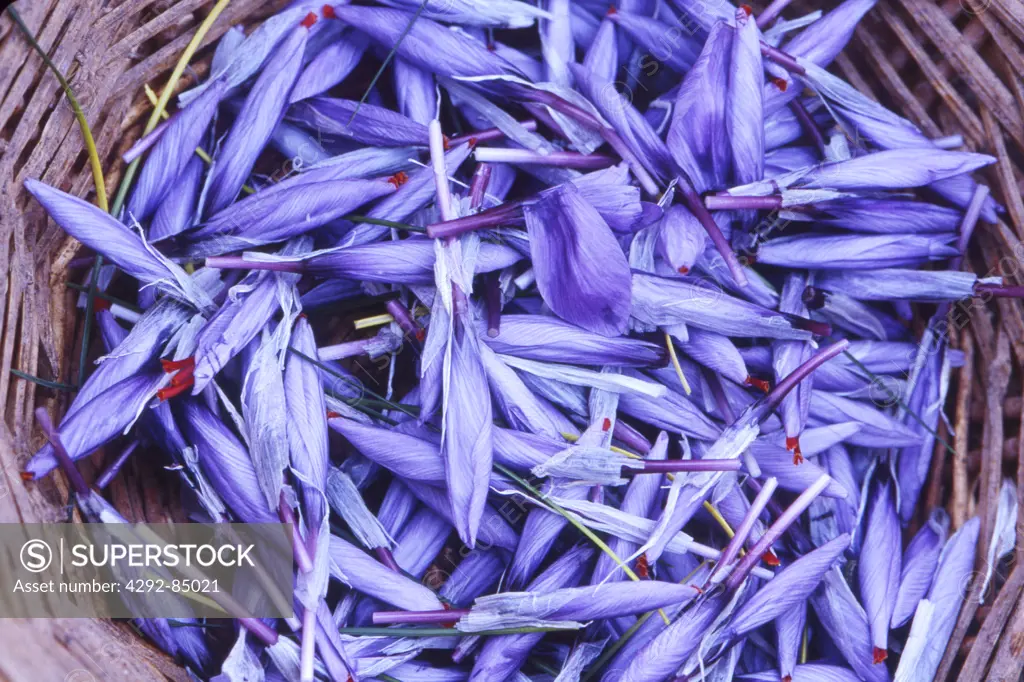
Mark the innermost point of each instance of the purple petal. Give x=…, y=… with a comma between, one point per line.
x=582, y=273
x=918, y=567
x=879, y=566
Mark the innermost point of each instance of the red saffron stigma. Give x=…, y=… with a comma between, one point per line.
x=309, y=20
x=176, y=388
x=446, y=142
x=399, y=179
x=175, y=365
x=611, y=10
x=748, y=9
x=683, y=270
x=99, y=304
x=643, y=569
x=780, y=83
x=793, y=445
x=26, y=476
x=879, y=655
x=606, y=424
x=421, y=335
x=699, y=590
x=787, y=678
x=759, y=384
x=331, y=414
x=770, y=558
x=328, y=11
x=473, y=142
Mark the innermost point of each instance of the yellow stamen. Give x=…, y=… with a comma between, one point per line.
x=675, y=363
x=374, y=321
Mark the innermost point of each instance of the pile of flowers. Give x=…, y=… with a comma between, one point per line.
x=644, y=403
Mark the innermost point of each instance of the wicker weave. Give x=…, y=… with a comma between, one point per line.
x=953, y=67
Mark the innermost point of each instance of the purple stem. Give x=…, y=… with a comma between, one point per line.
x=999, y=291
x=554, y=159
x=783, y=59
x=813, y=326
x=240, y=262
x=696, y=206
x=718, y=393
x=771, y=12
x=487, y=135
x=775, y=531
x=259, y=630
x=545, y=117
x=742, y=532
x=631, y=438
x=492, y=299
x=609, y=135
x=341, y=351
x=143, y=145
x=442, y=616
x=670, y=466
x=115, y=467
x=78, y=483
x=404, y=319
x=725, y=202
x=385, y=556
x=302, y=558
x=478, y=185
x=492, y=217
x=775, y=396
x=808, y=124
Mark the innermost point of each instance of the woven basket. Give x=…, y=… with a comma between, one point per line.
x=952, y=67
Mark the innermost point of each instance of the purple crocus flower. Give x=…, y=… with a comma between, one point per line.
x=790, y=588
x=856, y=252
x=666, y=302
x=227, y=463
x=886, y=216
x=846, y=623
x=428, y=45
x=493, y=531
x=581, y=271
x=681, y=239
x=266, y=423
x=478, y=571
x=787, y=356
x=918, y=566
x=879, y=567
x=697, y=136
x=265, y=218
x=745, y=110
x=673, y=44
x=259, y=115
x=549, y=339
x=330, y=66
x=94, y=423
x=307, y=422
x=119, y=244
x=363, y=573
x=936, y=616
x=564, y=607
x=174, y=151
x=521, y=408
x=891, y=284
x=365, y=123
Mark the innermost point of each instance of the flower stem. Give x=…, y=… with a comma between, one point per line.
x=724, y=202
x=418, y=617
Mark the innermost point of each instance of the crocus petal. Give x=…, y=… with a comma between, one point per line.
x=178, y=209
x=365, y=123
x=363, y=573
x=879, y=566
x=745, y=114
x=330, y=67
x=918, y=566
x=429, y=45
x=173, y=151
x=697, y=137
x=846, y=623
x=672, y=44
x=466, y=436
x=856, y=252
x=260, y=114
x=227, y=463
x=307, y=420
x=120, y=245
x=266, y=423
x=581, y=271
x=548, y=339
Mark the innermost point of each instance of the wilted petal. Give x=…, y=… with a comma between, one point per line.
x=681, y=239
x=918, y=566
x=846, y=623
x=431, y=46
x=260, y=114
x=581, y=270
x=120, y=245
x=745, y=117
x=698, y=137
x=892, y=284
x=265, y=422
x=856, y=252
x=364, y=123
x=330, y=67
x=673, y=44
x=179, y=208
x=549, y=339
x=879, y=567
x=307, y=420
x=363, y=573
